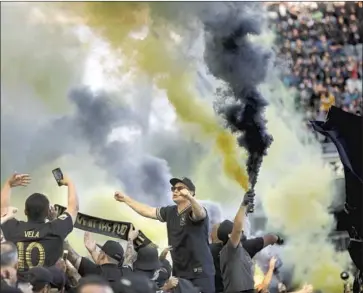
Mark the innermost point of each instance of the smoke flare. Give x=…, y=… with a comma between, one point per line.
x=231, y=57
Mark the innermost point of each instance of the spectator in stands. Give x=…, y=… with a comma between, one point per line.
x=324, y=41
x=9, y=263
x=147, y=262
x=252, y=246
x=187, y=228
x=108, y=262
x=235, y=262
x=39, y=243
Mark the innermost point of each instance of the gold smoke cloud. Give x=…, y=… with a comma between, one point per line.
x=150, y=55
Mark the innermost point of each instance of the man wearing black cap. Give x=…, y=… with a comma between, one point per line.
x=108, y=261
x=235, y=262
x=147, y=262
x=40, y=279
x=252, y=246
x=58, y=279
x=187, y=227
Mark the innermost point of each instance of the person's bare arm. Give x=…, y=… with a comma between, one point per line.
x=73, y=256
x=13, y=181
x=237, y=230
x=269, y=239
x=140, y=208
x=72, y=273
x=73, y=202
x=268, y=277
x=130, y=254
x=198, y=211
x=8, y=214
x=5, y=197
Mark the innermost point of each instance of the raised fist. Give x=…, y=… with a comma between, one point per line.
x=119, y=196
x=248, y=198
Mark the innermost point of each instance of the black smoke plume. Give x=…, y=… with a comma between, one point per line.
x=242, y=65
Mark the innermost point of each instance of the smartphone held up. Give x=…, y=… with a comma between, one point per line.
x=58, y=176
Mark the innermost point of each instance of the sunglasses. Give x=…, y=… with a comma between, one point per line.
x=179, y=188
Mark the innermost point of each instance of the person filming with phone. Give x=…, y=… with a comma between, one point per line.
x=39, y=243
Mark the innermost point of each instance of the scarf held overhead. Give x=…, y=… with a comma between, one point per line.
x=114, y=229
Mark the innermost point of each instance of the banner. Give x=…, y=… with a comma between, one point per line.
x=114, y=229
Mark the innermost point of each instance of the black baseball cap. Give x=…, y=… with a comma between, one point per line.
x=113, y=249
x=59, y=277
x=186, y=181
x=135, y=283
x=147, y=259
x=39, y=277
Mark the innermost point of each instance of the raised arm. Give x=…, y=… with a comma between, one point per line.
x=91, y=246
x=73, y=257
x=73, y=202
x=198, y=211
x=13, y=181
x=271, y=239
x=237, y=230
x=131, y=254
x=140, y=208
x=268, y=277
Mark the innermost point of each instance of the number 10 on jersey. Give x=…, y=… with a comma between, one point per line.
x=25, y=251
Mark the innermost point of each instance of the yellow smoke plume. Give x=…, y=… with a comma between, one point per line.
x=114, y=22
x=296, y=189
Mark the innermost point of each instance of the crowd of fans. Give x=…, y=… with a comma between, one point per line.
x=36, y=257
x=324, y=42
x=325, y=46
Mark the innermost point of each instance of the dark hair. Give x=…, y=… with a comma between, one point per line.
x=37, y=207
x=91, y=280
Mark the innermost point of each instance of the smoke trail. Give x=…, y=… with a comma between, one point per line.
x=171, y=76
x=230, y=56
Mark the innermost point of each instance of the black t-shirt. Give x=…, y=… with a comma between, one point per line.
x=252, y=246
x=191, y=256
x=110, y=272
x=38, y=243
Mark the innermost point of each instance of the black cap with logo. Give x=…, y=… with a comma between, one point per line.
x=186, y=181
x=113, y=249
